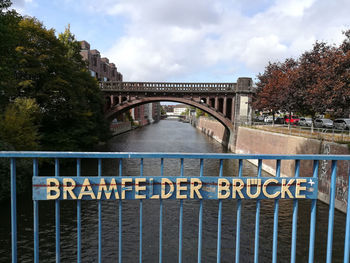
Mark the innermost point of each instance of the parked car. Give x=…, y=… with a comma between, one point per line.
x=342, y=124
x=291, y=119
x=279, y=120
x=303, y=121
x=324, y=123
x=268, y=119
x=260, y=118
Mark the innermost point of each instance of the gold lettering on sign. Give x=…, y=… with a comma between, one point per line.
x=68, y=189
x=251, y=182
x=139, y=188
x=108, y=191
x=165, y=195
x=299, y=188
x=180, y=188
x=153, y=196
x=285, y=188
x=52, y=188
x=265, y=185
x=195, y=188
x=124, y=187
x=237, y=188
x=86, y=189
x=223, y=186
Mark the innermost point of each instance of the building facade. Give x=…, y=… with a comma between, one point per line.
x=100, y=68
x=180, y=109
x=103, y=70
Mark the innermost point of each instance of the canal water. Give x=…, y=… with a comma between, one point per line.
x=166, y=136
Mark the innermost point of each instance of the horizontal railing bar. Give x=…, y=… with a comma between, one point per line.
x=131, y=155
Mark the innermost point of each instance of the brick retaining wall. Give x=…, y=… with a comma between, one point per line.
x=120, y=127
x=254, y=141
x=212, y=128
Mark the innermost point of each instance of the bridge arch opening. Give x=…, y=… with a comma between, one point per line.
x=127, y=105
x=212, y=102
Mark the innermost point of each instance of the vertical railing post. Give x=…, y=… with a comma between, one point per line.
x=181, y=216
x=140, y=237
x=36, y=217
x=347, y=231
x=275, y=218
x=200, y=218
x=218, y=252
x=13, y=211
x=295, y=217
x=257, y=219
x=120, y=216
x=99, y=174
x=78, y=218
x=57, y=217
x=239, y=206
x=331, y=211
x=313, y=217
x=161, y=215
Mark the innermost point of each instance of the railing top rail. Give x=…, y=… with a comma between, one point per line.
x=130, y=155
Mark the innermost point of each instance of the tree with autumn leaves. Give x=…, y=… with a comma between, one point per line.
x=319, y=80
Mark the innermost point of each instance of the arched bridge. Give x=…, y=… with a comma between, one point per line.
x=227, y=102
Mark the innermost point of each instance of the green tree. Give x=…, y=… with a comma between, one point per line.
x=162, y=110
x=35, y=64
x=18, y=125
x=73, y=47
x=185, y=112
x=200, y=113
x=9, y=38
x=68, y=96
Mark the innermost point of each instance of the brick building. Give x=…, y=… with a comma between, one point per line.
x=103, y=70
x=100, y=68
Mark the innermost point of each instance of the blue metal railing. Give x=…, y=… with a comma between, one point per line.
x=161, y=156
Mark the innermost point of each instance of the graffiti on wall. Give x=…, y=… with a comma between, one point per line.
x=324, y=175
x=341, y=179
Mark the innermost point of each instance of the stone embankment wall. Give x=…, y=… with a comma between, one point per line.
x=120, y=127
x=212, y=128
x=253, y=141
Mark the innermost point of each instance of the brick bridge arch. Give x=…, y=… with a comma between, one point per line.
x=129, y=104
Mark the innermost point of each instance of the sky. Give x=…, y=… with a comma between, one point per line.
x=195, y=40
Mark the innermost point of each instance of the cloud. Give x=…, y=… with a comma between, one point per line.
x=20, y=5
x=175, y=39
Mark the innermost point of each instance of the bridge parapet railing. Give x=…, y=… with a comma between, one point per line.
x=333, y=135
x=123, y=187
x=168, y=87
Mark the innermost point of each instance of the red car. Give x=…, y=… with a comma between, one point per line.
x=291, y=119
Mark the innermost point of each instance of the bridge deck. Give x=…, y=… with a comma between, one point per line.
x=180, y=87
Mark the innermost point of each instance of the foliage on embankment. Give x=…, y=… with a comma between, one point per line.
x=48, y=100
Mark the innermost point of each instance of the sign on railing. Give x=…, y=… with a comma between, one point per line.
x=115, y=188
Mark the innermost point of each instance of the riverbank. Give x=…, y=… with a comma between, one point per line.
x=255, y=141
x=126, y=126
